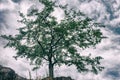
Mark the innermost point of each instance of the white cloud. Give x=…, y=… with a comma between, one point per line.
x=109, y=48
x=24, y=6
x=4, y=5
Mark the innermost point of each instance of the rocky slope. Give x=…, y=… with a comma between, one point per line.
x=7, y=73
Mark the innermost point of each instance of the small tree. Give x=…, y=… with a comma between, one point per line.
x=45, y=39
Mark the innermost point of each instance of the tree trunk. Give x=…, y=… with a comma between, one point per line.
x=51, y=70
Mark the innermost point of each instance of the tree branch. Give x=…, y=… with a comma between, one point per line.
x=57, y=41
x=45, y=58
x=55, y=60
x=50, y=55
x=43, y=50
x=41, y=46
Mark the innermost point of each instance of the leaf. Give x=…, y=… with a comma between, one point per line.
x=35, y=68
x=94, y=70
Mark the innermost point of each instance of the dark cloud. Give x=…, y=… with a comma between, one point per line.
x=116, y=30
x=3, y=25
x=81, y=1
x=3, y=19
x=16, y=1
x=3, y=1
x=113, y=72
x=109, y=8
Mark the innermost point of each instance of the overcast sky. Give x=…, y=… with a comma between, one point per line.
x=104, y=11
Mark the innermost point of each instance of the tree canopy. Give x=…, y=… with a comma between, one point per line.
x=45, y=39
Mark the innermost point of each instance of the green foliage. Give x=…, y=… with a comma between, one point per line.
x=43, y=38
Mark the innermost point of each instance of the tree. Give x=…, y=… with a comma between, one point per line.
x=43, y=38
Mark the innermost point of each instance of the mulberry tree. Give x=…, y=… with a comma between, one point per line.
x=44, y=38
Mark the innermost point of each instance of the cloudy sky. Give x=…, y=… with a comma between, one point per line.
x=104, y=11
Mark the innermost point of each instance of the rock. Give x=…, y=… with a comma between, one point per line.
x=63, y=78
x=59, y=78
x=47, y=78
x=6, y=73
x=20, y=78
x=9, y=74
